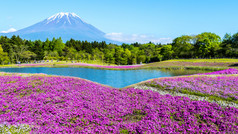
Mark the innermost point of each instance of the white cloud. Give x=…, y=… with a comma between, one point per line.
x=141, y=38
x=9, y=30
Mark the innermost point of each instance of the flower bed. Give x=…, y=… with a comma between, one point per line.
x=31, y=65
x=71, y=105
x=218, y=87
x=226, y=71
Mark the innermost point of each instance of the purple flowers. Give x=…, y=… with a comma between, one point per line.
x=71, y=105
x=227, y=71
x=221, y=86
x=32, y=65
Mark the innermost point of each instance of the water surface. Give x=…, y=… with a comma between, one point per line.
x=114, y=78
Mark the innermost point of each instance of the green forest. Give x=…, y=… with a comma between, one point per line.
x=204, y=45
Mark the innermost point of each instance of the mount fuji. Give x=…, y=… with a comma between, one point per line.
x=64, y=25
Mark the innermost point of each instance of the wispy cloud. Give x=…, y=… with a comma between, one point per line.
x=141, y=38
x=9, y=30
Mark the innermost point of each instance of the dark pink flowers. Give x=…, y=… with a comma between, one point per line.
x=71, y=105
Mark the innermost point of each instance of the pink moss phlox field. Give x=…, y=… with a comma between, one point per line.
x=222, y=86
x=71, y=105
x=102, y=66
x=226, y=71
x=85, y=64
x=30, y=65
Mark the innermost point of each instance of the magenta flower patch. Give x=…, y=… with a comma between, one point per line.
x=227, y=71
x=71, y=105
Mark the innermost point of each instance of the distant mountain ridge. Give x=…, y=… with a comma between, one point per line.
x=64, y=25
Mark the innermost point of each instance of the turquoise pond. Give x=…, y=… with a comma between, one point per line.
x=114, y=78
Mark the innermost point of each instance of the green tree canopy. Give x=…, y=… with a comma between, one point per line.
x=3, y=56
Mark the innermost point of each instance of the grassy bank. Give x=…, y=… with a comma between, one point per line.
x=222, y=60
x=200, y=64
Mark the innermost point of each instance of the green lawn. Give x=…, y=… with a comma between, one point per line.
x=205, y=64
x=205, y=60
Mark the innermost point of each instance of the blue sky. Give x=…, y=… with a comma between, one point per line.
x=157, y=20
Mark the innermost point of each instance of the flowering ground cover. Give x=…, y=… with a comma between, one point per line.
x=72, y=105
x=226, y=71
x=219, y=85
x=32, y=65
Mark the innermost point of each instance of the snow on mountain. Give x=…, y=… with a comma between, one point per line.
x=64, y=25
x=57, y=17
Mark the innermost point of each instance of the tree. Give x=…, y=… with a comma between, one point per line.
x=87, y=56
x=149, y=50
x=141, y=58
x=126, y=56
x=109, y=55
x=46, y=45
x=26, y=55
x=3, y=56
x=207, y=44
x=157, y=55
x=101, y=56
x=82, y=55
x=134, y=54
x=96, y=53
x=204, y=45
x=38, y=49
x=167, y=52
x=234, y=45
x=118, y=55
x=5, y=43
x=234, y=40
x=18, y=51
x=226, y=46
x=58, y=46
x=182, y=46
x=71, y=53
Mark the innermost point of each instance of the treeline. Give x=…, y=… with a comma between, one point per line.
x=204, y=45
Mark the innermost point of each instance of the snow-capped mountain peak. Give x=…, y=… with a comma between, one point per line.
x=63, y=16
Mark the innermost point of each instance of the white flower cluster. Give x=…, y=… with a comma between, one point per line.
x=13, y=129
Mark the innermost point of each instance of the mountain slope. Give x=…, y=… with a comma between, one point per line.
x=64, y=25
